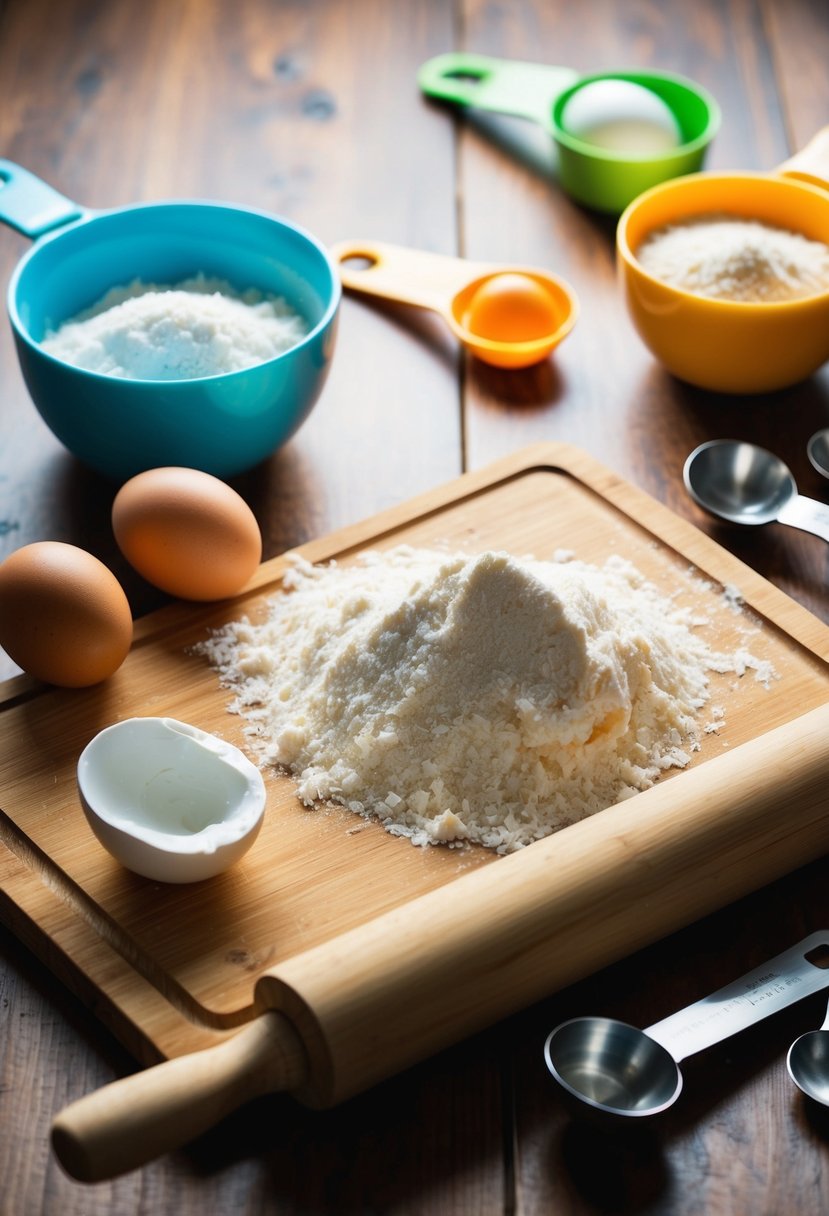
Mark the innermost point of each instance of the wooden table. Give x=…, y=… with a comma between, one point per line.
x=311, y=110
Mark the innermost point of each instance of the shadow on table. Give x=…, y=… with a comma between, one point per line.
x=398, y=1147
x=622, y=1171
x=530, y=146
x=429, y=328
x=523, y=141
x=529, y=389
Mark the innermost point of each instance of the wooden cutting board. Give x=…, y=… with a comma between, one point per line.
x=378, y=951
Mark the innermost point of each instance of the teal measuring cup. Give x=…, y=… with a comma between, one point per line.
x=220, y=424
x=602, y=178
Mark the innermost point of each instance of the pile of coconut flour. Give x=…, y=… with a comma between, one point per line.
x=479, y=698
x=199, y=327
x=728, y=258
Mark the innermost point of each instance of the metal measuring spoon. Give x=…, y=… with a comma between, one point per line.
x=616, y=1069
x=818, y=451
x=746, y=484
x=808, y=1063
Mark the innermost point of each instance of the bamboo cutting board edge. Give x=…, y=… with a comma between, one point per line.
x=145, y=1021
x=668, y=528
x=74, y=947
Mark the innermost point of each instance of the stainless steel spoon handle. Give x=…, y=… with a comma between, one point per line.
x=781, y=981
x=825, y=1025
x=807, y=514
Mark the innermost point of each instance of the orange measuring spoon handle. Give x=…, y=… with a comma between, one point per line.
x=509, y=316
x=407, y=276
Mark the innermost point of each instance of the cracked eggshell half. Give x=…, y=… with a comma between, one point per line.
x=169, y=801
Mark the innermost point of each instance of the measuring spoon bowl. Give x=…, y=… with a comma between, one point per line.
x=507, y=316
x=743, y=483
x=817, y=450
x=614, y=1069
x=612, y=1066
x=601, y=178
x=808, y=1063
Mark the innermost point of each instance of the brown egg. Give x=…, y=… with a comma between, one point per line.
x=187, y=532
x=64, y=617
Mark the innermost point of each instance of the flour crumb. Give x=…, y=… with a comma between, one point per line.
x=481, y=699
x=733, y=597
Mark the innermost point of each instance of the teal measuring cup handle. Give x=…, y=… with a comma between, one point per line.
x=502, y=86
x=29, y=205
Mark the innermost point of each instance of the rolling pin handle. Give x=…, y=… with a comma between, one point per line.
x=132, y=1121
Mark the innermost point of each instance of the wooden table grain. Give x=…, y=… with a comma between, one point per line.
x=309, y=108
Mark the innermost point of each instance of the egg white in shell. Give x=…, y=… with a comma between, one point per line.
x=170, y=801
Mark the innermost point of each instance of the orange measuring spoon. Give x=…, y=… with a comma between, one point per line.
x=508, y=316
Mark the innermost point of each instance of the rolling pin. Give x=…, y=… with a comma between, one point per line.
x=338, y=1018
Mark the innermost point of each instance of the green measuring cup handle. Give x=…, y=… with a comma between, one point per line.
x=502, y=86
x=29, y=205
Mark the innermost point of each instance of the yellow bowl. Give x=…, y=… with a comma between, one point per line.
x=725, y=345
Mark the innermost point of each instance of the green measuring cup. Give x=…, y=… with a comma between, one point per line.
x=604, y=179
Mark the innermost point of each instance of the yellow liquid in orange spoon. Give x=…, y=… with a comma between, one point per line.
x=512, y=308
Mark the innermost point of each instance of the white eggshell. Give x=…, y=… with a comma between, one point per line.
x=621, y=116
x=169, y=801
